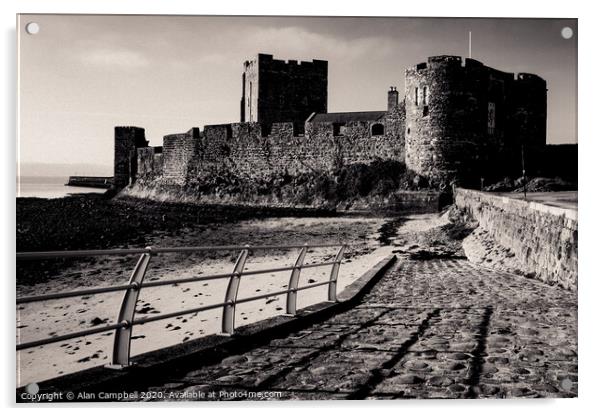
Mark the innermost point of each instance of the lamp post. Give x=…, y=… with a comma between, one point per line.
x=522, y=156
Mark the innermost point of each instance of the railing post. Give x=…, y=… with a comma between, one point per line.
x=334, y=275
x=229, y=310
x=293, y=284
x=123, y=335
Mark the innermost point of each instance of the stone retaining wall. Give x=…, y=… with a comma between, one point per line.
x=409, y=202
x=543, y=238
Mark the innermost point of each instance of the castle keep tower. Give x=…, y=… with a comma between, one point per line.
x=276, y=91
x=466, y=121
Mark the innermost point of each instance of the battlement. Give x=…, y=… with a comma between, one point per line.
x=129, y=128
x=535, y=80
x=444, y=62
x=268, y=60
x=457, y=119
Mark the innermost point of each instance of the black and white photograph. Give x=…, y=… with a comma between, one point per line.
x=283, y=208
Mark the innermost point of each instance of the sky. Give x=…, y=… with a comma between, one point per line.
x=81, y=75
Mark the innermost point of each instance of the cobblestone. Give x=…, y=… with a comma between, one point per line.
x=439, y=328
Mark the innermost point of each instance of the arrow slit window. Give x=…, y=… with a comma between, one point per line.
x=491, y=119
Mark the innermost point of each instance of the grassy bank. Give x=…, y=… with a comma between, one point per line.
x=352, y=186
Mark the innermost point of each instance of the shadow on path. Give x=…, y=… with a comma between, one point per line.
x=378, y=375
x=267, y=383
x=476, y=367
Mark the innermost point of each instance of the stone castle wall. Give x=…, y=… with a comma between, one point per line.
x=179, y=151
x=150, y=162
x=459, y=120
x=543, y=238
x=246, y=150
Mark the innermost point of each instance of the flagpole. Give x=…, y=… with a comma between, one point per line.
x=470, y=44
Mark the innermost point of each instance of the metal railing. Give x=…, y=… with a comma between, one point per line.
x=126, y=319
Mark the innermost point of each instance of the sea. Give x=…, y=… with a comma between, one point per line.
x=49, y=187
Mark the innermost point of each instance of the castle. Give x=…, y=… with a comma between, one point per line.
x=458, y=121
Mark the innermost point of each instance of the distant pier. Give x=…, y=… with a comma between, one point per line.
x=102, y=182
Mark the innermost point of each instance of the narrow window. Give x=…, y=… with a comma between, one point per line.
x=424, y=100
x=378, y=129
x=425, y=111
x=250, y=101
x=416, y=96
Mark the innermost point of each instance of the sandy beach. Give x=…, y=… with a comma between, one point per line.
x=57, y=317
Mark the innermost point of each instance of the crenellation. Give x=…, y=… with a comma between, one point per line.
x=456, y=121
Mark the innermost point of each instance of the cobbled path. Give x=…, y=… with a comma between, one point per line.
x=439, y=328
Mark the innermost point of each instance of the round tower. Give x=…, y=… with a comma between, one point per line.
x=441, y=108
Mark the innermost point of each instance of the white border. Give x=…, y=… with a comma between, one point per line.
x=590, y=140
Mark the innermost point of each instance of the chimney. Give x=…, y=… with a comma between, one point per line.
x=392, y=99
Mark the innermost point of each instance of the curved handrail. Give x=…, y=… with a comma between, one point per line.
x=126, y=319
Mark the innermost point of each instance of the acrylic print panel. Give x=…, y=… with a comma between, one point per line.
x=324, y=208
